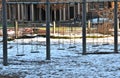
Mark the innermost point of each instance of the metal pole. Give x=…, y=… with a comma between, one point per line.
x=115, y=27
x=47, y=30
x=4, y=24
x=84, y=26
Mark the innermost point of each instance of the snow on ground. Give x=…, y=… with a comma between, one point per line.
x=67, y=63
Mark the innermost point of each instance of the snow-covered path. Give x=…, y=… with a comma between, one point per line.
x=67, y=63
x=89, y=66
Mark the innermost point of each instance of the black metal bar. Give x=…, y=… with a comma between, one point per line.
x=115, y=27
x=40, y=2
x=4, y=24
x=84, y=27
x=55, y=2
x=47, y=30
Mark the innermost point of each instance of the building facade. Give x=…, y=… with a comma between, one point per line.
x=26, y=10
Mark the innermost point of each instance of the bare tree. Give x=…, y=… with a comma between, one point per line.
x=108, y=17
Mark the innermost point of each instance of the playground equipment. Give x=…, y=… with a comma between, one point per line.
x=20, y=48
x=60, y=35
x=99, y=26
x=48, y=3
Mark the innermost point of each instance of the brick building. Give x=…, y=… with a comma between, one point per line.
x=34, y=10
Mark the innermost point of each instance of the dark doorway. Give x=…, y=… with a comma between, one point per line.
x=71, y=12
x=28, y=12
x=43, y=14
x=57, y=15
x=52, y=15
x=36, y=13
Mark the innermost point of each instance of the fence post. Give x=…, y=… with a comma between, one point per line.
x=89, y=28
x=54, y=27
x=118, y=24
x=84, y=26
x=16, y=29
x=115, y=27
x=47, y=30
x=4, y=24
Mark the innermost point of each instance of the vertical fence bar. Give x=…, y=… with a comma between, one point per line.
x=115, y=27
x=47, y=30
x=84, y=26
x=4, y=24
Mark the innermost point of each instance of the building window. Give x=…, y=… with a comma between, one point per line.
x=92, y=6
x=101, y=5
x=109, y=5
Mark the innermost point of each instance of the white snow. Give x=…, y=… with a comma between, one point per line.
x=67, y=63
